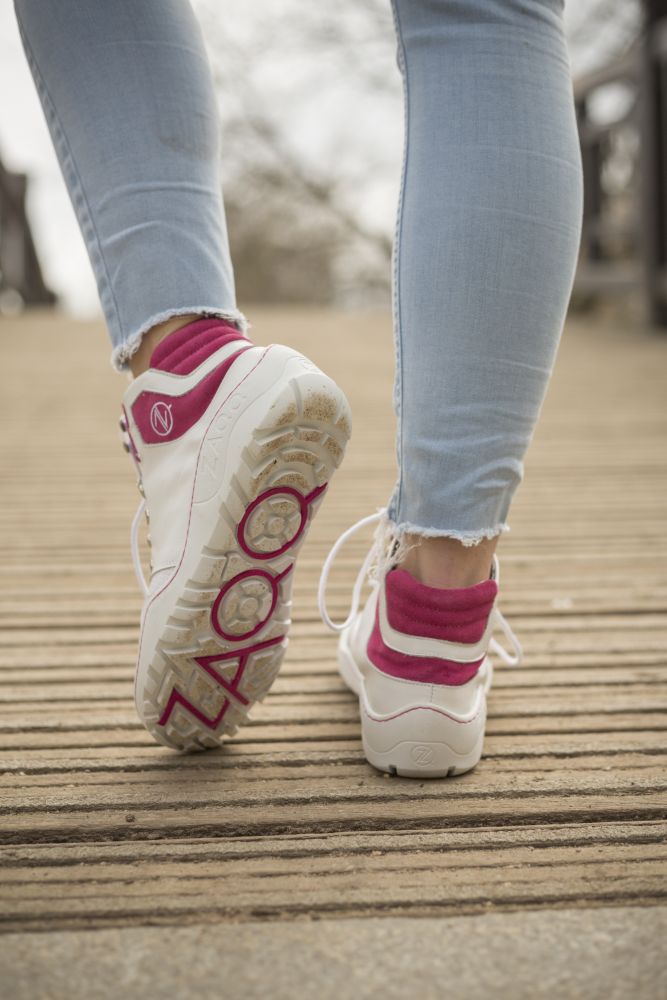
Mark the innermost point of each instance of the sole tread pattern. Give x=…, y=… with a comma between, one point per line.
x=222, y=646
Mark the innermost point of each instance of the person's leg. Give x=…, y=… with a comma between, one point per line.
x=234, y=445
x=485, y=253
x=128, y=97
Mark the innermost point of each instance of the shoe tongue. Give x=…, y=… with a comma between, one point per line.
x=457, y=614
x=185, y=349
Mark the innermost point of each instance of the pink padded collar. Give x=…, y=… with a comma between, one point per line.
x=186, y=348
x=458, y=615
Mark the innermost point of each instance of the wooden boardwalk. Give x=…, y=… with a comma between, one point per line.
x=101, y=828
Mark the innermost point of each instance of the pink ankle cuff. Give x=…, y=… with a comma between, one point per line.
x=458, y=615
x=422, y=669
x=186, y=348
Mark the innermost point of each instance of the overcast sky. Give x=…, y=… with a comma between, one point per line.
x=25, y=146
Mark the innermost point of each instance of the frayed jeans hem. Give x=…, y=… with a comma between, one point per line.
x=466, y=538
x=121, y=354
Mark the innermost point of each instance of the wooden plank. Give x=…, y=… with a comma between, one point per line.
x=294, y=893
x=99, y=826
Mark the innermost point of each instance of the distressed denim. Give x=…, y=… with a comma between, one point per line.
x=128, y=97
x=486, y=246
x=487, y=234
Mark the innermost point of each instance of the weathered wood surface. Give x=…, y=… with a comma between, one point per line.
x=101, y=827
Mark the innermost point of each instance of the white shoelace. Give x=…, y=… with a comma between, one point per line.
x=361, y=576
x=141, y=510
x=511, y=659
x=134, y=547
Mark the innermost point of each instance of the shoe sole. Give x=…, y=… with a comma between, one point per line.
x=221, y=631
x=421, y=741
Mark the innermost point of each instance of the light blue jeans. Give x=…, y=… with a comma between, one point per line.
x=488, y=226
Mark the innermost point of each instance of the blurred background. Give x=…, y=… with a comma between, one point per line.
x=311, y=111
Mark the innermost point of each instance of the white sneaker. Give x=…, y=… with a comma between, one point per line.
x=422, y=697
x=233, y=459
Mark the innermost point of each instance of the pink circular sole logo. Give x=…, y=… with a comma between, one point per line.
x=276, y=519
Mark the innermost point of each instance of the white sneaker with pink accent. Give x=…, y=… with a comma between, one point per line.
x=418, y=659
x=234, y=446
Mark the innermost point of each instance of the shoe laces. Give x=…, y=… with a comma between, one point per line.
x=140, y=512
x=134, y=547
x=373, y=552
x=512, y=659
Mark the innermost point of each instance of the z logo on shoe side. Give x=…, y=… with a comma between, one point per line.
x=162, y=420
x=422, y=755
x=161, y=417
